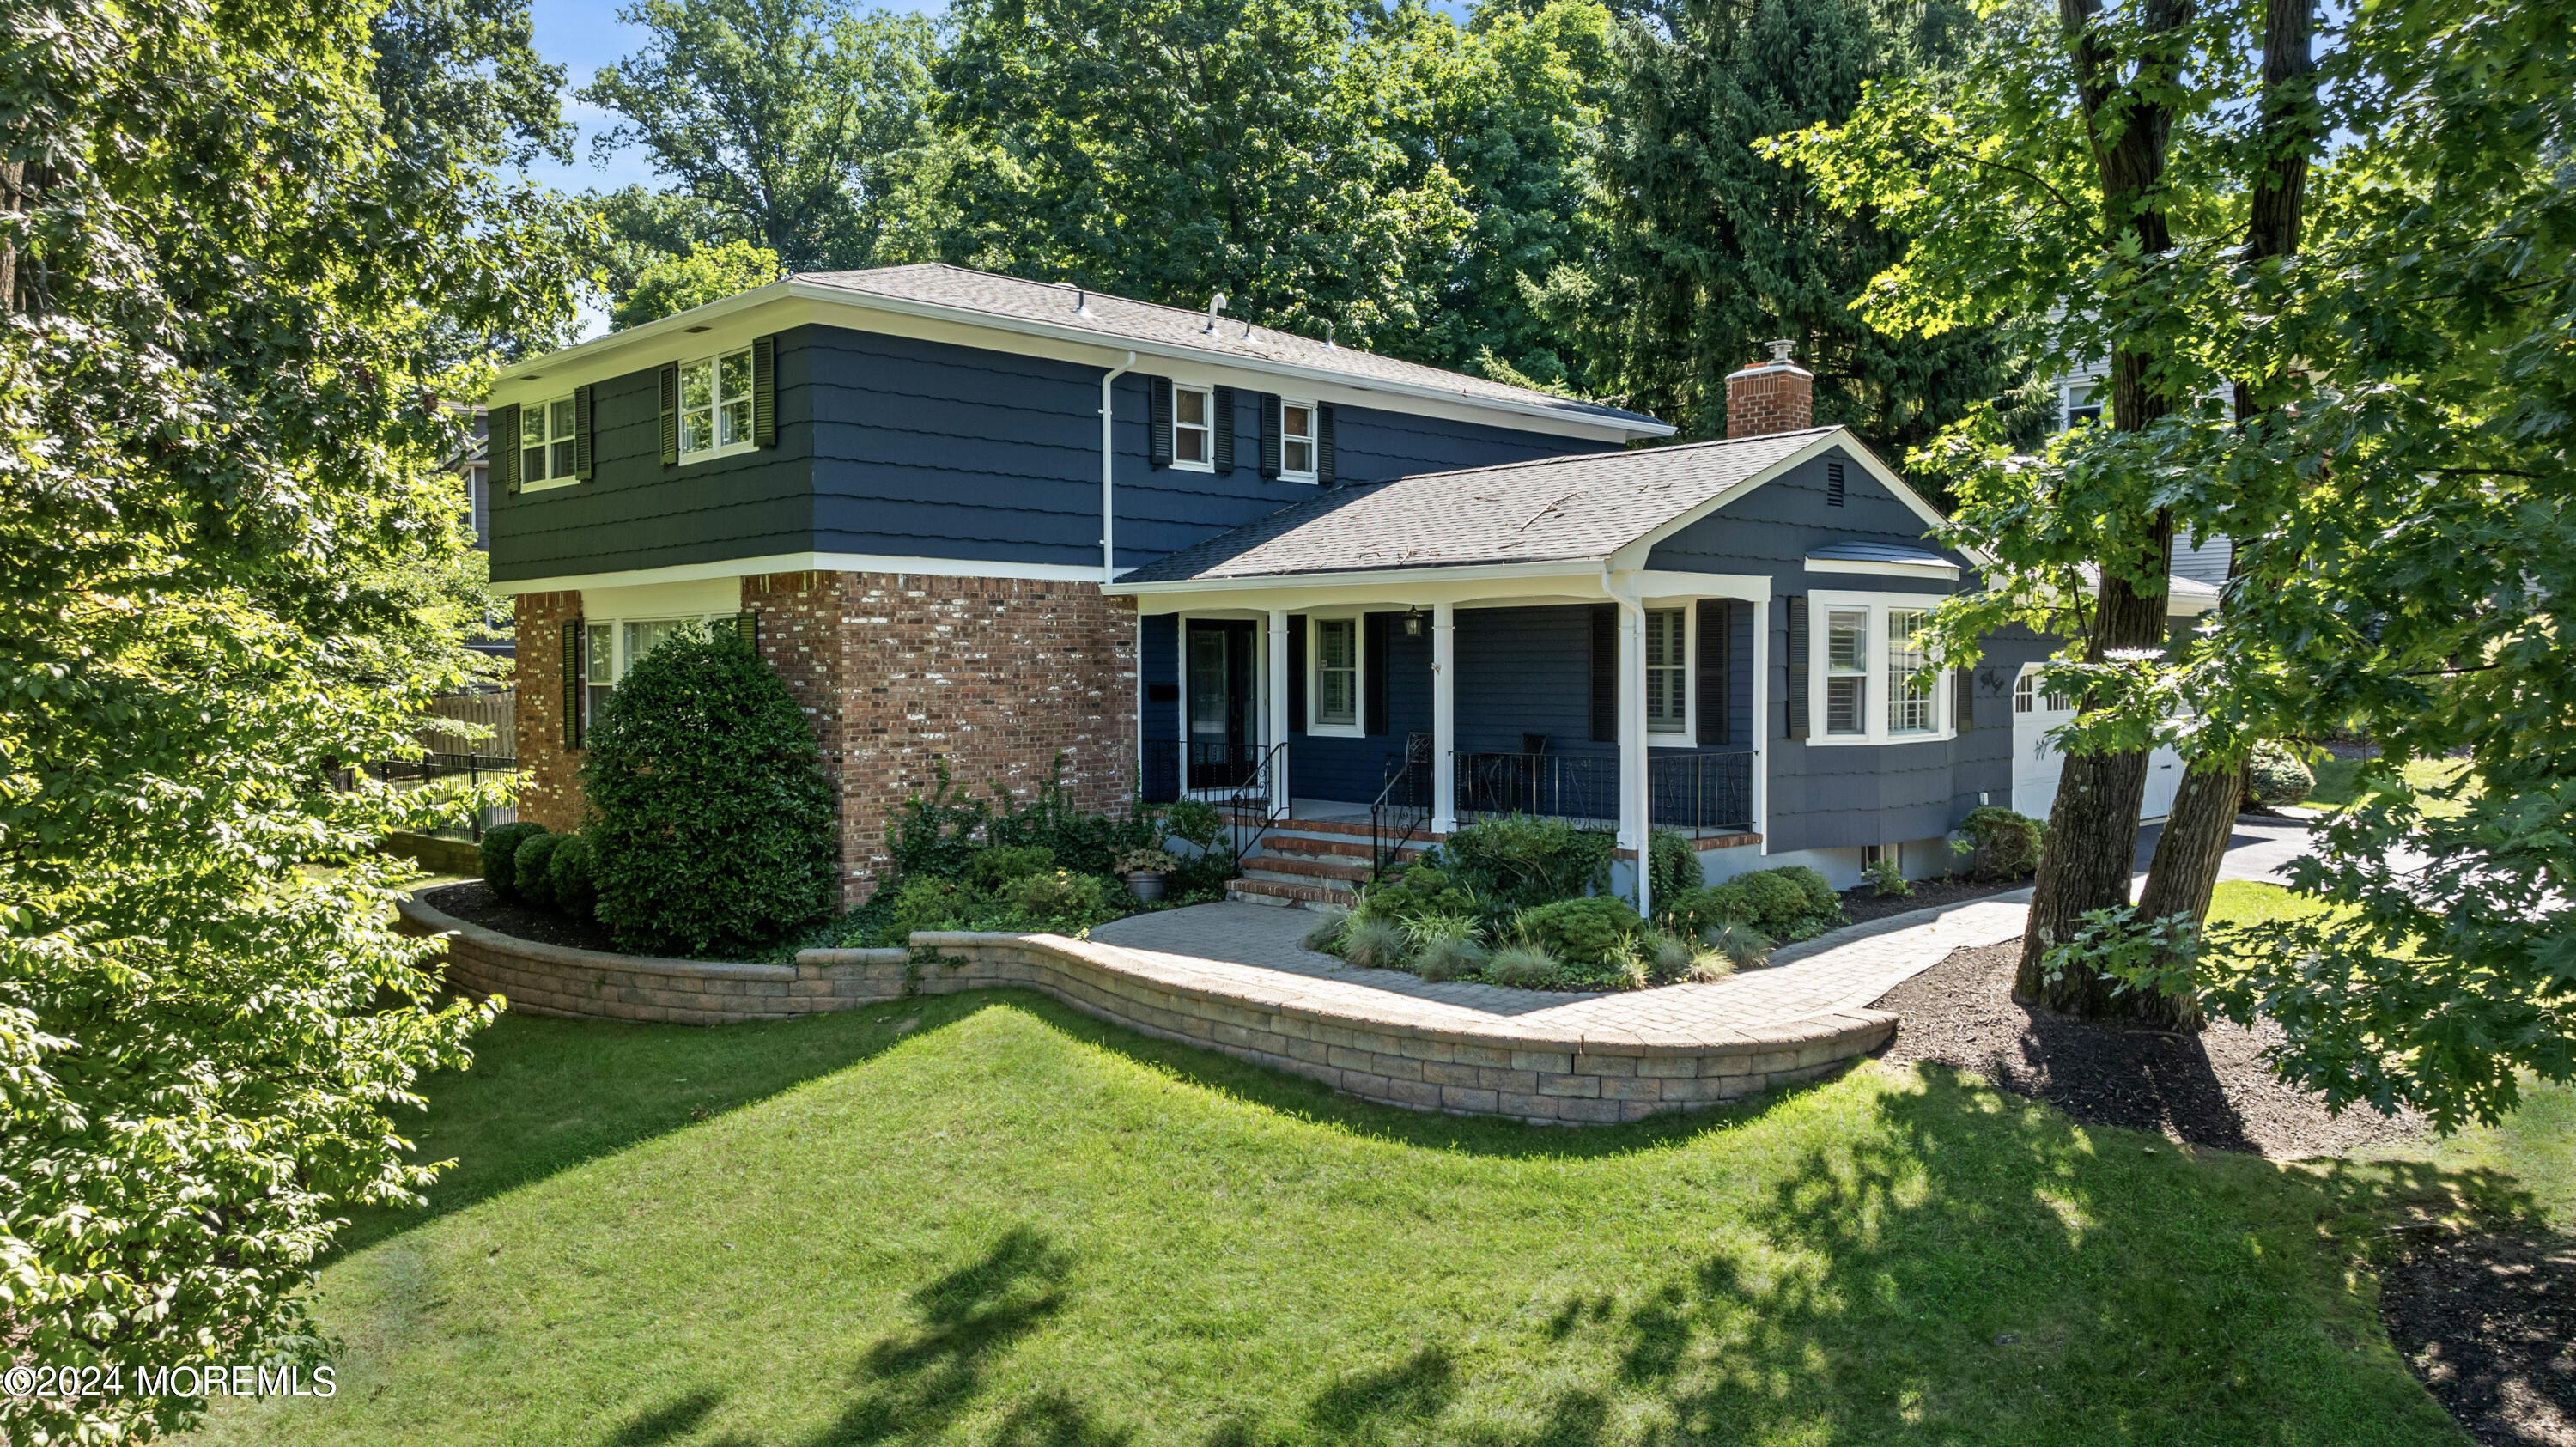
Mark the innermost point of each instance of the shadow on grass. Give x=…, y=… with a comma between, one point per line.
x=546, y=1095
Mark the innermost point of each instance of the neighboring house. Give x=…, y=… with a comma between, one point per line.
x=1005, y=523
x=2084, y=397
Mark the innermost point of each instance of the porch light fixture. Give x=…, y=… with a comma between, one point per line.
x=1413, y=623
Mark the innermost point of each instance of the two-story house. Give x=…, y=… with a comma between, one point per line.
x=1003, y=522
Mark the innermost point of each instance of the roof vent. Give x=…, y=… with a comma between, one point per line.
x=1216, y=304
x=1780, y=351
x=1328, y=335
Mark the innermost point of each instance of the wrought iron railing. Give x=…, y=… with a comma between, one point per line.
x=1700, y=794
x=1580, y=787
x=1238, y=779
x=1402, y=809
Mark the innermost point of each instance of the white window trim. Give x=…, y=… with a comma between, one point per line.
x=715, y=421
x=1874, y=670
x=1357, y=728
x=1688, y=734
x=2095, y=387
x=1314, y=438
x=1180, y=463
x=546, y=410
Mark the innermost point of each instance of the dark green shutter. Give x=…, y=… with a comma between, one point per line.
x=670, y=414
x=1269, y=412
x=1296, y=673
x=1224, y=403
x=764, y=391
x=1374, y=630
x=581, y=433
x=1716, y=671
x=1797, y=661
x=1158, y=445
x=572, y=681
x=1324, y=446
x=1605, y=673
x=501, y=448
x=1963, y=699
x=746, y=626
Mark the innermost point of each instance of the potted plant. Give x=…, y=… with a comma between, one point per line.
x=1143, y=869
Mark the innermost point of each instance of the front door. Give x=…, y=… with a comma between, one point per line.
x=1220, y=703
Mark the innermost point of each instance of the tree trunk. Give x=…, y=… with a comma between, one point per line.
x=2184, y=875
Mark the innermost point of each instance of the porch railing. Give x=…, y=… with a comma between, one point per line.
x=1580, y=787
x=1402, y=808
x=1235, y=778
x=1700, y=794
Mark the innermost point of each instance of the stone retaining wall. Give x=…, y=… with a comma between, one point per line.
x=1498, y=1067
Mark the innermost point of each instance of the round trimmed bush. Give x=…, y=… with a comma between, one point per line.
x=2275, y=776
x=714, y=830
x=1775, y=902
x=1588, y=933
x=2006, y=844
x=499, y=855
x=569, y=879
x=529, y=867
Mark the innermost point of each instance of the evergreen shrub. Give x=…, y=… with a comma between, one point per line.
x=714, y=820
x=1593, y=933
x=528, y=869
x=499, y=855
x=569, y=878
x=2274, y=776
x=2004, y=845
x=1672, y=865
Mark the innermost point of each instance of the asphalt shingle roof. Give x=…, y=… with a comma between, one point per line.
x=1554, y=510
x=939, y=284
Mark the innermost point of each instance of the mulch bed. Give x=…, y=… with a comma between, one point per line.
x=475, y=903
x=1864, y=904
x=2487, y=1320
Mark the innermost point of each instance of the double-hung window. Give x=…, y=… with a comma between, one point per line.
x=548, y=450
x=1847, y=671
x=1667, y=670
x=1909, y=710
x=1336, y=693
x=2083, y=403
x=1297, y=441
x=715, y=405
x=598, y=668
x=1193, y=428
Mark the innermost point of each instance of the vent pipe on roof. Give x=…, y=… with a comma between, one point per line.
x=1216, y=304
x=1328, y=335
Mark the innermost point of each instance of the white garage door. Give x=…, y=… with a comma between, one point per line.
x=2036, y=765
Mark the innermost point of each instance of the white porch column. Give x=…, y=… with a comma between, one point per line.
x=1632, y=741
x=1276, y=701
x=1762, y=724
x=1444, y=718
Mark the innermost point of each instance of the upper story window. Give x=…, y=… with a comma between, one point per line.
x=1335, y=698
x=549, y=448
x=1194, y=428
x=2082, y=403
x=715, y=405
x=1297, y=441
x=1909, y=711
x=1667, y=670
x=1847, y=671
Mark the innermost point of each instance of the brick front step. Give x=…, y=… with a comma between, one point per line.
x=1279, y=891
x=1307, y=871
x=1350, y=828
x=1277, y=843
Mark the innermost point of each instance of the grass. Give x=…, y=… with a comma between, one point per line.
x=986, y=1218
x=2339, y=784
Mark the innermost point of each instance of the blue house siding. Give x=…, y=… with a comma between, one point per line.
x=1158, y=666
x=1353, y=770
x=893, y=446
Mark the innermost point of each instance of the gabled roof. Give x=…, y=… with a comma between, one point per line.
x=1063, y=305
x=1560, y=509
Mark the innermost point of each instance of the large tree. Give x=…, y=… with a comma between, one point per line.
x=222, y=498
x=799, y=126
x=1709, y=249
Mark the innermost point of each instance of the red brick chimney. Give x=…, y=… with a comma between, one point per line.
x=1773, y=396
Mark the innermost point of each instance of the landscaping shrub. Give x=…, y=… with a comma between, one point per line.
x=924, y=902
x=1709, y=966
x=528, y=869
x=1887, y=877
x=991, y=869
x=1195, y=820
x=2004, y=845
x=569, y=878
x=715, y=826
x=499, y=855
x=1589, y=934
x=1423, y=890
x=1772, y=900
x=1375, y=944
x=1741, y=945
x=1518, y=862
x=1792, y=901
x=1822, y=901
x=1667, y=957
x=1326, y=936
x=1057, y=894
x=1444, y=946
x=1672, y=865
x=2274, y=776
x=1525, y=966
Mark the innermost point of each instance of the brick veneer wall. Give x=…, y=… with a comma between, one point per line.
x=549, y=778
x=1502, y=1068
x=997, y=675
x=1773, y=397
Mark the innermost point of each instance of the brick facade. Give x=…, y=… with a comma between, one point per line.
x=549, y=779
x=1773, y=397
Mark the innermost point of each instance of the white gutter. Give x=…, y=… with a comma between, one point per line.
x=1108, y=483
x=1368, y=577
x=799, y=289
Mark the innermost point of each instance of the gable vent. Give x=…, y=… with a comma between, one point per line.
x=1833, y=484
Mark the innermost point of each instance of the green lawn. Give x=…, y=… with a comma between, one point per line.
x=2339, y=784
x=988, y=1219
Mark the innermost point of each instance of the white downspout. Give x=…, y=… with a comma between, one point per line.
x=1108, y=482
